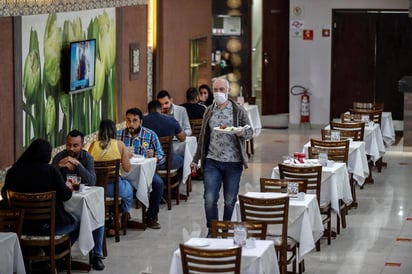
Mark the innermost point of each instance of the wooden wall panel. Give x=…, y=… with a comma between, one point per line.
x=131, y=28
x=180, y=21
x=6, y=92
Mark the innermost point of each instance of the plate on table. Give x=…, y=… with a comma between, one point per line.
x=198, y=243
x=229, y=130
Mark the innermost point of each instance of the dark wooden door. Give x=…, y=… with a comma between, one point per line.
x=352, y=60
x=371, y=51
x=275, y=62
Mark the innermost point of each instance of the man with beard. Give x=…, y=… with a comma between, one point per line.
x=145, y=142
x=74, y=160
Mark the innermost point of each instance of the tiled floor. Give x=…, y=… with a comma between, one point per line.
x=368, y=245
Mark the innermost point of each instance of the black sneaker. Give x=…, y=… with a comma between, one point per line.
x=153, y=224
x=98, y=263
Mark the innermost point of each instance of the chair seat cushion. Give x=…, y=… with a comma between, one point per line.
x=277, y=239
x=40, y=238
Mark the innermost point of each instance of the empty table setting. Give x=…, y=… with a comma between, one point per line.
x=304, y=219
x=357, y=162
x=11, y=258
x=88, y=206
x=260, y=259
x=335, y=183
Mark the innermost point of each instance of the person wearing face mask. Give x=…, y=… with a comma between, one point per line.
x=145, y=142
x=222, y=154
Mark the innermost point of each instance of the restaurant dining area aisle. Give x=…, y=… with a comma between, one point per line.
x=377, y=239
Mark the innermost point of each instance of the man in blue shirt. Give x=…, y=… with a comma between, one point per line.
x=164, y=125
x=146, y=143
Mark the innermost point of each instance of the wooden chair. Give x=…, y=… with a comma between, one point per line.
x=344, y=134
x=358, y=128
x=338, y=151
x=313, y=175
x=11, y=220
x=367, y=106
x=41, y=207
x=169, y=176
x=196, y=125
x=225, y=229
x=374, y=115
x=280, y=185
x=201, y=260
x=274, y=212
x=108, y=172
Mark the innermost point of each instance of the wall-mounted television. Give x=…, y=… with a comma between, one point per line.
x=78, y=71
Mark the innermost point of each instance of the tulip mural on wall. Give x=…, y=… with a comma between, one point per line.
x=49, y=111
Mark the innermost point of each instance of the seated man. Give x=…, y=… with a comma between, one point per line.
x=164, y=125
x=192, y=106
x=176, y=111
x=76, y=160
x=145, y=142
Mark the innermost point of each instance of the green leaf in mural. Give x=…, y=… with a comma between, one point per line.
x=107, y=37
x=32, y=73
x=50, y=115
x=52, y=50
x=72, y=30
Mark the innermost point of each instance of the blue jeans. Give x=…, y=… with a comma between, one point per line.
x=72, y=229
x=215, y=174
x=177, y=162
x=155, y=197
x=98, y=234
x=125, y=192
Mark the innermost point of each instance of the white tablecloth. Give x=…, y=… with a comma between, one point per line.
x=11, y=258
x=335, y=185
x=374, y=145
x=304, y=220
x=187, y=149
x=388, y=131
x=254, y=118
x=141, y=177
x=357, y=162
x=88, y=206
x=259, y=260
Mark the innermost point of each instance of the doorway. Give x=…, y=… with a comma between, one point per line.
x=370, y=54
x=275, y=56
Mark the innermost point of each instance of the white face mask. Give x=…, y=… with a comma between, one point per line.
x=219, y=97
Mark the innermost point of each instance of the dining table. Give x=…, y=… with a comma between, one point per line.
x=387, y=128
x=304, y=219
x=187, y=150
x=254, y=118
x=88, y=206
x=374, y=145
x=335, y=184
x=357, y=160
x=260, y=259
x=140, y=176
x=11, y=257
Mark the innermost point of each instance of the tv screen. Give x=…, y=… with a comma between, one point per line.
x=82, y=65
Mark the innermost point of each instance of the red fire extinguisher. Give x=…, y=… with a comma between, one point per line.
x=304, y=107
x=304, y=102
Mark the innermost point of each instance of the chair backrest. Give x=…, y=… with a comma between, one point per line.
x=201, y=260
x=338, y=151
x=367, y=106
x=225, y=229
x=374, y=115
x=359, y=128
x=313, y=175
x=11, y=220
x=196, y=125
x=108, y=172
x=167, y=147
x=281, y=185
x=272, y=211
x=344, y=134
